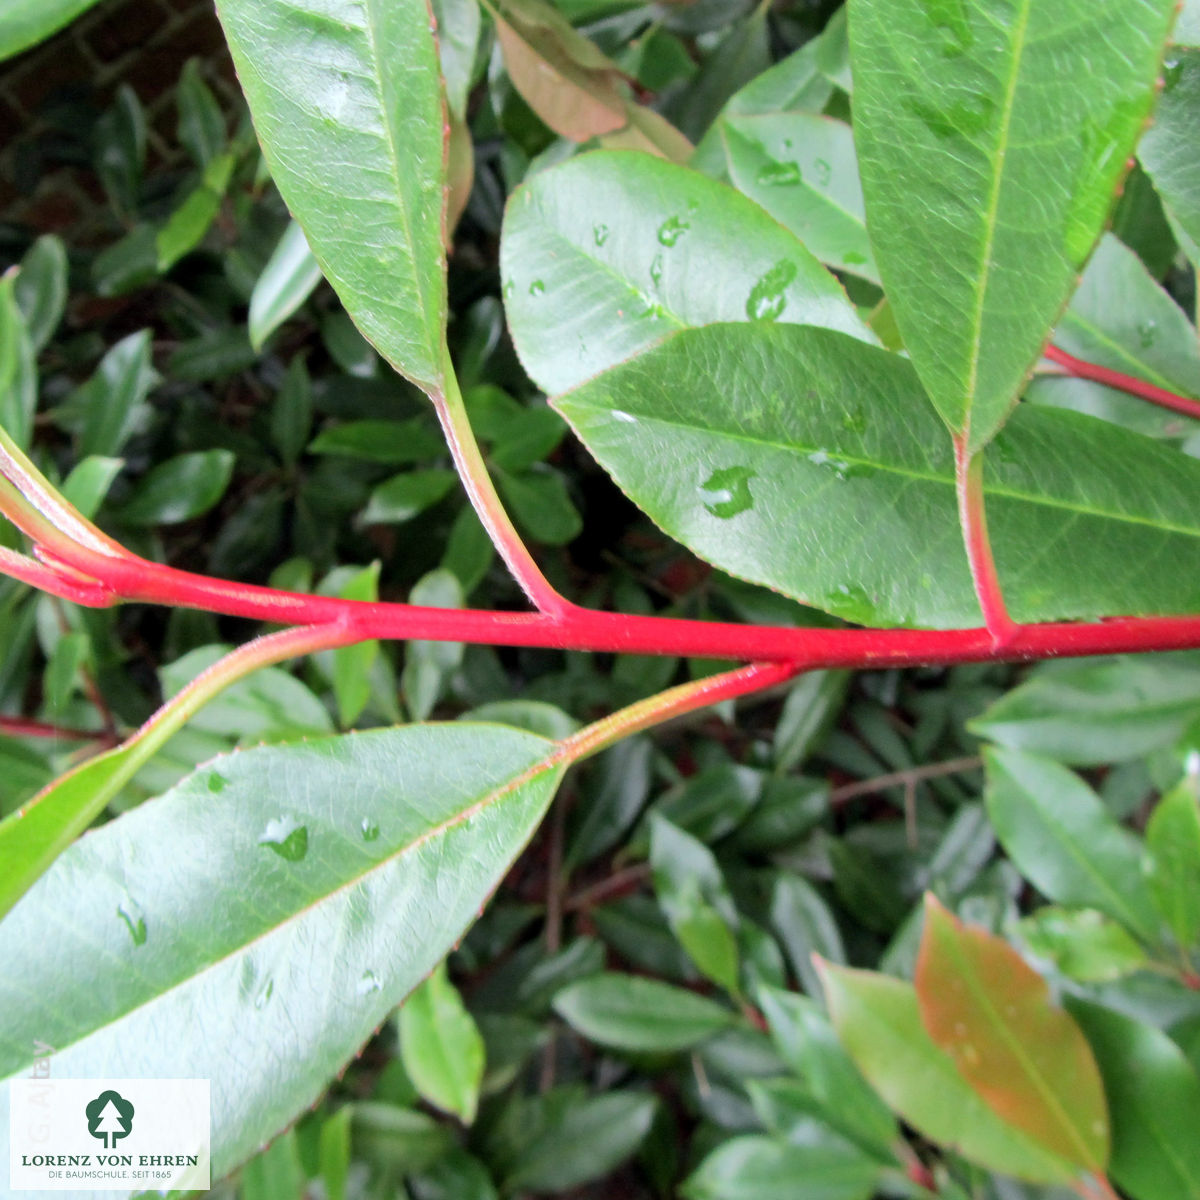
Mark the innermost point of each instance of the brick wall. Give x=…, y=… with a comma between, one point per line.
x=44, y=188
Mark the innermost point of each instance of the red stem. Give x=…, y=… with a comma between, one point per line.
x=24, y=727
x=1124, y=383
x=135, y=579
x=968, y=484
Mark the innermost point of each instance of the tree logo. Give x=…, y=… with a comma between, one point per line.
x=109, y=1117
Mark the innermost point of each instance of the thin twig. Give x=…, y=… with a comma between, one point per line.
x=1124, y=383
x=620, y=883
x=906, y=778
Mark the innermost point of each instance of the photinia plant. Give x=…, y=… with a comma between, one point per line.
x=907, y=466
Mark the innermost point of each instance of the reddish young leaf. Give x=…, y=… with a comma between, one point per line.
x=1018, y=1050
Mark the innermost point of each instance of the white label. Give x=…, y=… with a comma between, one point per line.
x=108, y=1134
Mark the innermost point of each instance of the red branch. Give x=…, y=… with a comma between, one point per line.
x=1124, y=383
x=25, y=727
x=130, y=578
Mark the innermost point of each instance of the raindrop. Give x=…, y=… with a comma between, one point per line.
x=264, y=994
x=970, y=1055
x=1172, y=70
x=1147, y=334
x=671, y=230
x=839, y=466
x=656, y=271
x=216, y=782
x=135, y=921
x=600, y=233
x=287, y=838
x=822, y=172
x=854, y=420
x=508, y=289
x=624, y=417
x=852, y=258
x=779, y=174
x=767, y=301
x=726, y=492
x=537, y=287
x=370, y=831
x=368, y=984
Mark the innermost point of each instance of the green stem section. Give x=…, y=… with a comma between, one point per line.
x=35, y=835
x=472, y=470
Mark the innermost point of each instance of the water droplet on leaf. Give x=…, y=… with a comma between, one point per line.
x=656, y=271
x=767, y=301
x=624, y=417
x=216, y=782
x=671, y=230
x=286, y=837
x=852, y=258
x=726, y=492
x=600, y=233
x=854, y=420
x=537, y=287
x=368, y=984
x=1172, y=71
x=370, y=831
x=779, y=174
x=135, y=921
x=264, y=994
x=822, y=172
x=1147, y=334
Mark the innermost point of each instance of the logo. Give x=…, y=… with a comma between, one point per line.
x=109, y=1118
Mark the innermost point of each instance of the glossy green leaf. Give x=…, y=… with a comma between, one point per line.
x=610, y=253
x=807, y=1043
x=352, y=664
x=291, y=413
x=346, y=99
x=407, y=495
x=179, y=488
x=1121, y=319
x=802, y=169
x=397, y=1140
x=752, y=1167
x=334, y=1151
x=458, y=28
x=441, y=1048
x=111, y=402
x=803, y=460
x=269, y=705
x=1154, y=1097
x=805, y=926
x=395, y=442
x=1168, y=150
x=1099, y=711
x=1063, y=839
x=201, y=123
x=1173, y=861
x=1082, y=943
x=428, y=666
x=628, y=1012
x=18, y=372
x=187, y=225
x=41, y=288
x=289, y=278
x=540, y=504
x=88, y=483
x=276, y=1173
x=24, y=23
x=991, y=137
x=1020, y=1051
x=336, y=846
x=879, y=1023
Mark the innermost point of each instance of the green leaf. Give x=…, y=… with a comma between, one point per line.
x=88, y=483
x=269, y=705
x=289, y=278
x=879, y=1023
x=610, y=253
x=1168, y=150
x=805, y=925
x=334, y=1153
x=1099, y=711
x=1173, y=861
x=397, y=1140
x=18, y=371
x=392, y=442
x=1121, y=319
x=628, y=1012
x=201, y=124
x=1082, y=943
x=179, y=488
x=752, y=1167
x=428, y=666
x=112, y=400
x=1018, y=1049
x=187, y=225
x=724, y=434
x=807, y=1043
x=291, y=413
x=1154, y=1098
x=276, y=1173
x=697, y=904
x=458, y=27
x=24, y=23
x=352, y=664
x=337, y=847
x=991, y=137
x=1063, y=839
x=407, y=495
x=441, y=1048
x=41, y=288
x=540, y=504
x=348, y=108
x=802, y=169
